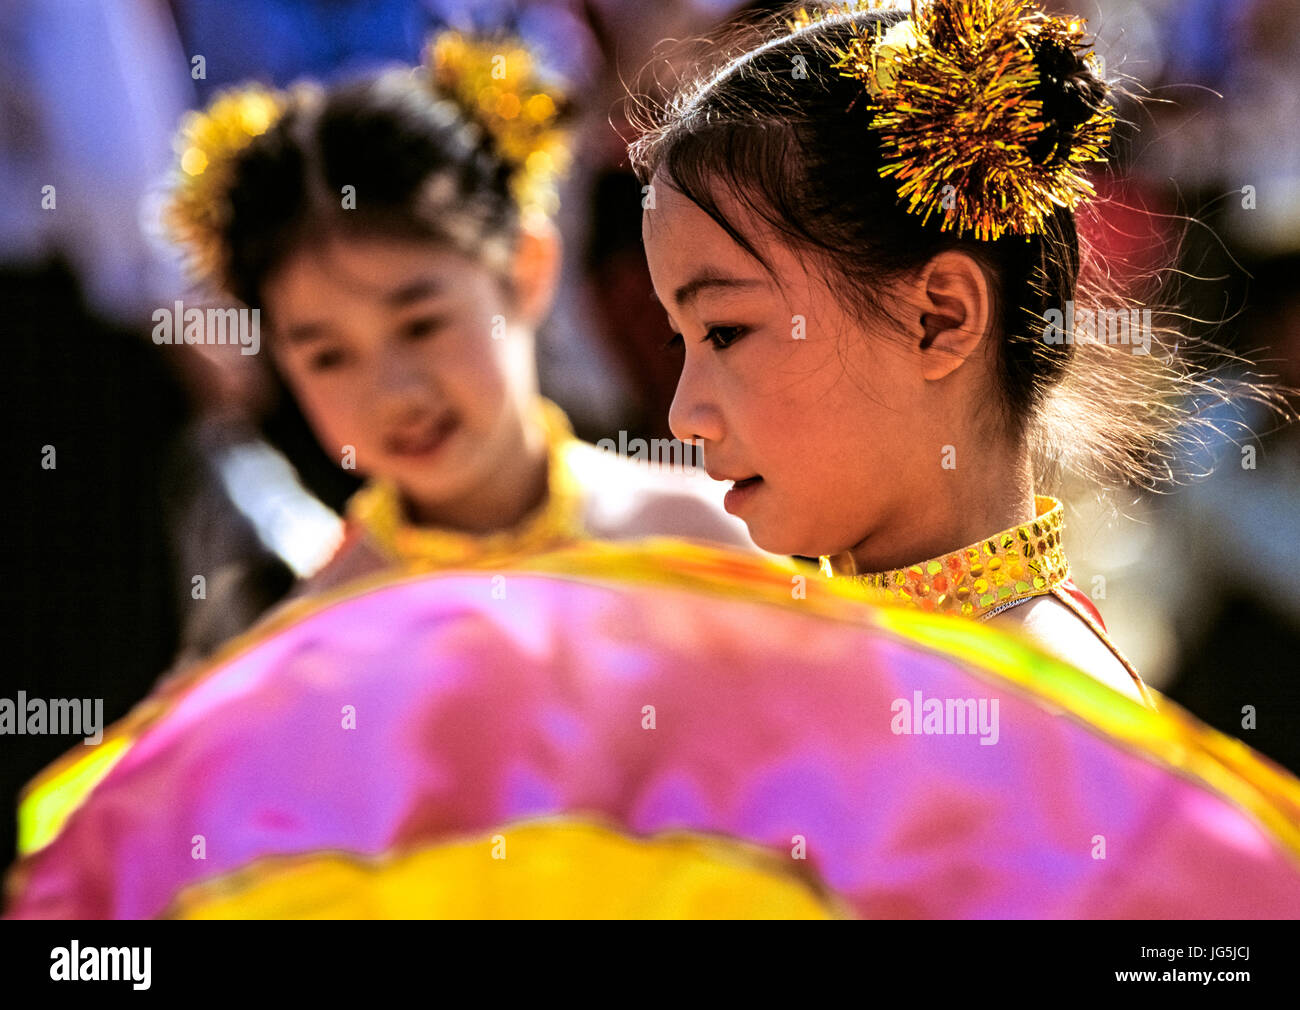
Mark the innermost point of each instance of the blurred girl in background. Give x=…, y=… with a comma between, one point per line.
x=396, y=235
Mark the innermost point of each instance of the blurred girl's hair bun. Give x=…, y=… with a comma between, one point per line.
x=208, y=146
x=499, y=85
x=459, y=150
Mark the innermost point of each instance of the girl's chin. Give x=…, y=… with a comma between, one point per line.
x=429, y=488
x=773, y=541
x=783, y=541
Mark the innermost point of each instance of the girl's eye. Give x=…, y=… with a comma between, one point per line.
x=418, y=329
x=324, y=361
x=721, y=337
x=724, y=336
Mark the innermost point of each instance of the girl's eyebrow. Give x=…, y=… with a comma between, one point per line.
x=407, y=294
x=416, y=290
x=305, y=333
x=689, y=291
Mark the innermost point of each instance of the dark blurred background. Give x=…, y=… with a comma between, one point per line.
x=173, y=461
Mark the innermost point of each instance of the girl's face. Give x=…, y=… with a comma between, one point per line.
x=831, y=426
x=411, y=354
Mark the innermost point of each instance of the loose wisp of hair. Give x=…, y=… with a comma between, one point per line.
x=760, y=116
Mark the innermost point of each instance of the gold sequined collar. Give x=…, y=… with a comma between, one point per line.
x=377, y=509
x=1014, y=565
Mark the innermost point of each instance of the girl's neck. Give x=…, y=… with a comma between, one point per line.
x=503, y=500
x=969, y=507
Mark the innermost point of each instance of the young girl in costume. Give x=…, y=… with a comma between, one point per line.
x=491, y=719
x=860, y=230
x=395, y=235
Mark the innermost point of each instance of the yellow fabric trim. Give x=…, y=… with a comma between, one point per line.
x=43, y=813
x=1166, y=734
x=981, y=580
x=1015, y=564
x=561, y=868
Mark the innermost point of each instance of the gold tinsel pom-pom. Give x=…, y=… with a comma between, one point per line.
x=498, y=84
x=950, y=93
x=804, y=19
x=206, y=146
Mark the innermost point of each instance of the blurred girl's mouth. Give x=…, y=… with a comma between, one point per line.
x=424, y=442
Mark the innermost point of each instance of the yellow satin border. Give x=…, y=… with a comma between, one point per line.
x=560, y=868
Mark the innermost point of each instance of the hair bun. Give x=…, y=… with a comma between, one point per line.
x=208, y=145
x=1071, y=92
x=986, y=115
x=498, y=84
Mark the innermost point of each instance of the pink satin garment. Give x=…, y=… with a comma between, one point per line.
x=769, y=723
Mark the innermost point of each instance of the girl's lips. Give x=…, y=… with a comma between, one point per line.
x=742, y=491
x=423, y=443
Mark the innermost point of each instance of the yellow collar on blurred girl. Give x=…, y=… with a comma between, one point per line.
x=976, y=581
x=377, y=508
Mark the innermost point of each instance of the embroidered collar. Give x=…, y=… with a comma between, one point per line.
x=377, y=509
x=1011, y=566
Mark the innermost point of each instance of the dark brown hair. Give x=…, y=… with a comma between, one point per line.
x=419, y=168
x=770, y=122
x=422, y=170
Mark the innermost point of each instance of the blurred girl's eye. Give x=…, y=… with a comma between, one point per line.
x=674, y=342
x=425, y=326
x=326, y=360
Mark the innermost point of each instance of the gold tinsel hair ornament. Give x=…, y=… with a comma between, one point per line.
x=206, y=146
x=956, y=93
x=498, y=83
x=494, y=83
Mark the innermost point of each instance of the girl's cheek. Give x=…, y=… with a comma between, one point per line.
x=333, y=419
x=480, y=372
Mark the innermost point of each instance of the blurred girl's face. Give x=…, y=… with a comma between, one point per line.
x=831, y=428
x=409, y=353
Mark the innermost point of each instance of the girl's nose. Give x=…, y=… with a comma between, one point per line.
x=400, y=381
x=694, y=417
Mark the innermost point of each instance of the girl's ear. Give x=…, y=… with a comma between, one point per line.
x=536, y=269
x=953, y=301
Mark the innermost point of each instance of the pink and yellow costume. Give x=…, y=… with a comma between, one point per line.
x=666, y=730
